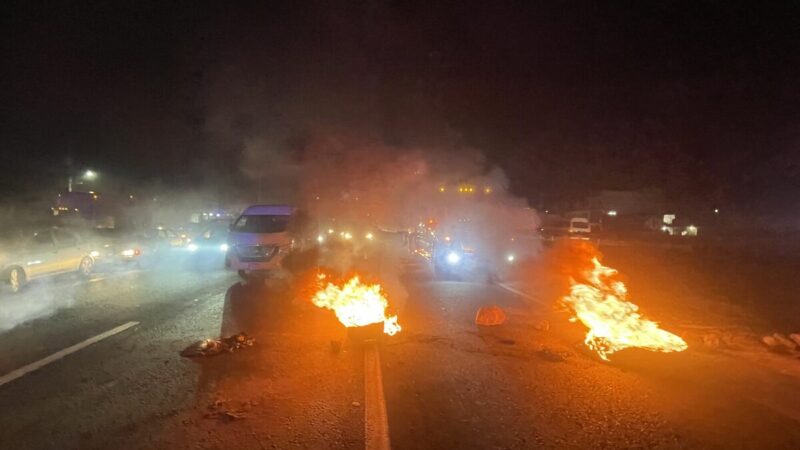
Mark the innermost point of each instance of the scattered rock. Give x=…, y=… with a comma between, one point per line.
x=552, y=355
x=542, y=325
x=355, y=404
x=219, y=410
x=489, y=316
x=784, y=341
x=711, y=340
x=232, y=415
x=774, y=345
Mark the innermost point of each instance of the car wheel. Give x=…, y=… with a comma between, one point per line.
x=16, y=279
x=86, y=267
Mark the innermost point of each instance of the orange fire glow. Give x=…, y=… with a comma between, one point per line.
x=613, y=322
x=357, y=304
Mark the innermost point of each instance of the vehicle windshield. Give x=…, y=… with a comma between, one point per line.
x=580, y=225
x=261, y=224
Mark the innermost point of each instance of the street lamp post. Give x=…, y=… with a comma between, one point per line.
x=89, y=175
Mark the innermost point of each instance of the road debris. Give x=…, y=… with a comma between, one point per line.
x=784, y=341
x=549, y=354
x=541, y=325
x=219, y=410
x=779, y=343
x=211, y=347
x=489, y=316
x=711, y=340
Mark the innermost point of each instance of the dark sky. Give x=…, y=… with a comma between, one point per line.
x=697, y=98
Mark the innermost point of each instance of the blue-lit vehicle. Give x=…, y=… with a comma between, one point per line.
x=470, y=256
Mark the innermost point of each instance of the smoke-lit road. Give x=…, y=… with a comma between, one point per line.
x=446, y=382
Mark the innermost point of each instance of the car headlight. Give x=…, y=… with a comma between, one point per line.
x=94, y=253
x=369, y=236
x=192, y=247
x=320, y=239
x=453, y=258
x=223, y=248
x=128, y=252
x=510, y=257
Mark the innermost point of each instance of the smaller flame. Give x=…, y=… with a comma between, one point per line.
x=357, y=304
x=613, y=322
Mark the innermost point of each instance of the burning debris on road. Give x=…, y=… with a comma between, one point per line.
x=357, y=304
x=613, y=322
x=212, y=347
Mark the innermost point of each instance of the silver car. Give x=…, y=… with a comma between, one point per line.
x=50, y=251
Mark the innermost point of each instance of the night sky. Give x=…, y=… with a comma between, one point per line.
x=699, y=99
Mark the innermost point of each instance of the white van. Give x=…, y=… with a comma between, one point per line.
x=259, y=239
x=579, y=225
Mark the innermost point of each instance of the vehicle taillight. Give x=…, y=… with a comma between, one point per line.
x=137, y=252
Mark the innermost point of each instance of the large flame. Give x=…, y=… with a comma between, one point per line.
x=614, y=323
x=357, y=304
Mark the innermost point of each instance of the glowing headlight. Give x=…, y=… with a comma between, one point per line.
x=128, y=252
x=192, y=247
x=510, y=258
x=369, y=236
x=223, y=248
x=330, y=230
x=320, y=239
x=94, y=253
x=453, y=258
x=347, y=236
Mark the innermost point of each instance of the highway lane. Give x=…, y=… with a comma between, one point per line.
x=446, y=382
x=89, y=396
x=451, y=384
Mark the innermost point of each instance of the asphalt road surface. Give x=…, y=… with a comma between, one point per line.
x=442, y=382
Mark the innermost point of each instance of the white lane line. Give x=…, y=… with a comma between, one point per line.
x=13, y=375
x=524, y=295
x=376, y=422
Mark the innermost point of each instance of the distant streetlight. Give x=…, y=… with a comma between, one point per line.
x=89, y=175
